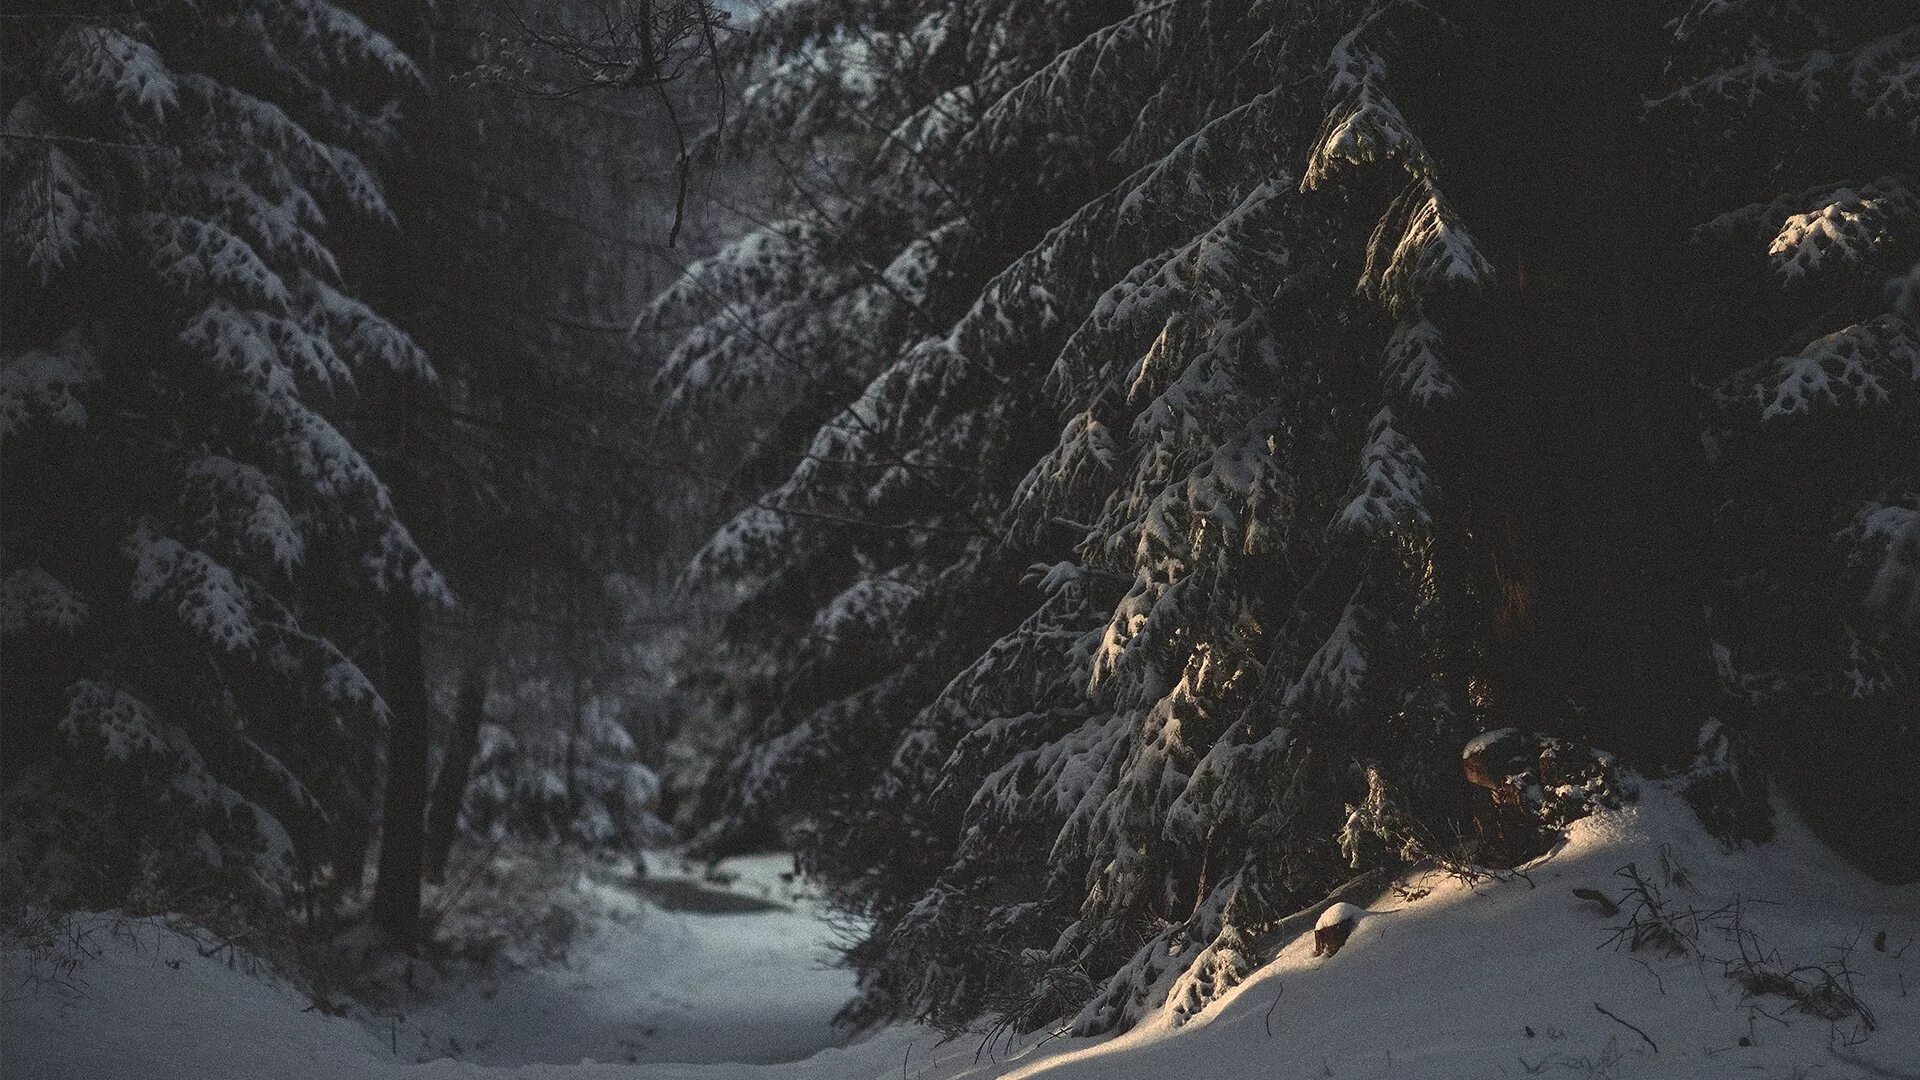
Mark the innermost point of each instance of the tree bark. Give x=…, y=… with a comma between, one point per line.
x=396, y=889
x=456, y=767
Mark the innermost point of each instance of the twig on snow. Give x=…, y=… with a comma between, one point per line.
x=1630, y=1027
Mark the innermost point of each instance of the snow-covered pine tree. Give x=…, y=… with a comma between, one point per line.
x=852, y=104
x=583, y=785
x=1298, y=390
x=1174, y=240
x=191, y=543
x=1806, y=205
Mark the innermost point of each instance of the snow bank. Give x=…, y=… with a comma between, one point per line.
x=1507, y=978
x=1491, y=979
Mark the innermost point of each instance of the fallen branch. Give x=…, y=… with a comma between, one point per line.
x=1268, y=1018
x=1629, y=1027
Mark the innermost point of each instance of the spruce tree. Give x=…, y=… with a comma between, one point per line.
x=1800, y=194
x=191, y=539
x=1254, y=402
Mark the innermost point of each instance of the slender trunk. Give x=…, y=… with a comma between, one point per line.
x=396, y=889
x=576, y=729
x=396, y=886
x=456, y=767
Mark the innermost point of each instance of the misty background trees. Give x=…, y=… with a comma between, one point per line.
x=1079, y=473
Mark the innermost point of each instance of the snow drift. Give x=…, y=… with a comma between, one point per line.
x=1773, y=960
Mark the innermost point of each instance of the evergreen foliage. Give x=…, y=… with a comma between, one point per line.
x=587, y=788
x=1806, y=125
x=190, y=533
x=1156, y=394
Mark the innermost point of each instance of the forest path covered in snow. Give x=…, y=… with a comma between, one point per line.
x=677, y=967
x=1449, y=980
x=670, y=967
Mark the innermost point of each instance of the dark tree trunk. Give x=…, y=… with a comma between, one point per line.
x=456, y=767
x=1578, y=454
x=396, y=888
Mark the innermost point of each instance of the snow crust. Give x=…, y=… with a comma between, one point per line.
x=1482, y=980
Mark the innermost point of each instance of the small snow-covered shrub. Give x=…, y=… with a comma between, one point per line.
x=586, y=788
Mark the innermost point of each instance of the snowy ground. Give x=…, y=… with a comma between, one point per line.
x=674, y=968
x=682, y=975
x=1496, y=979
